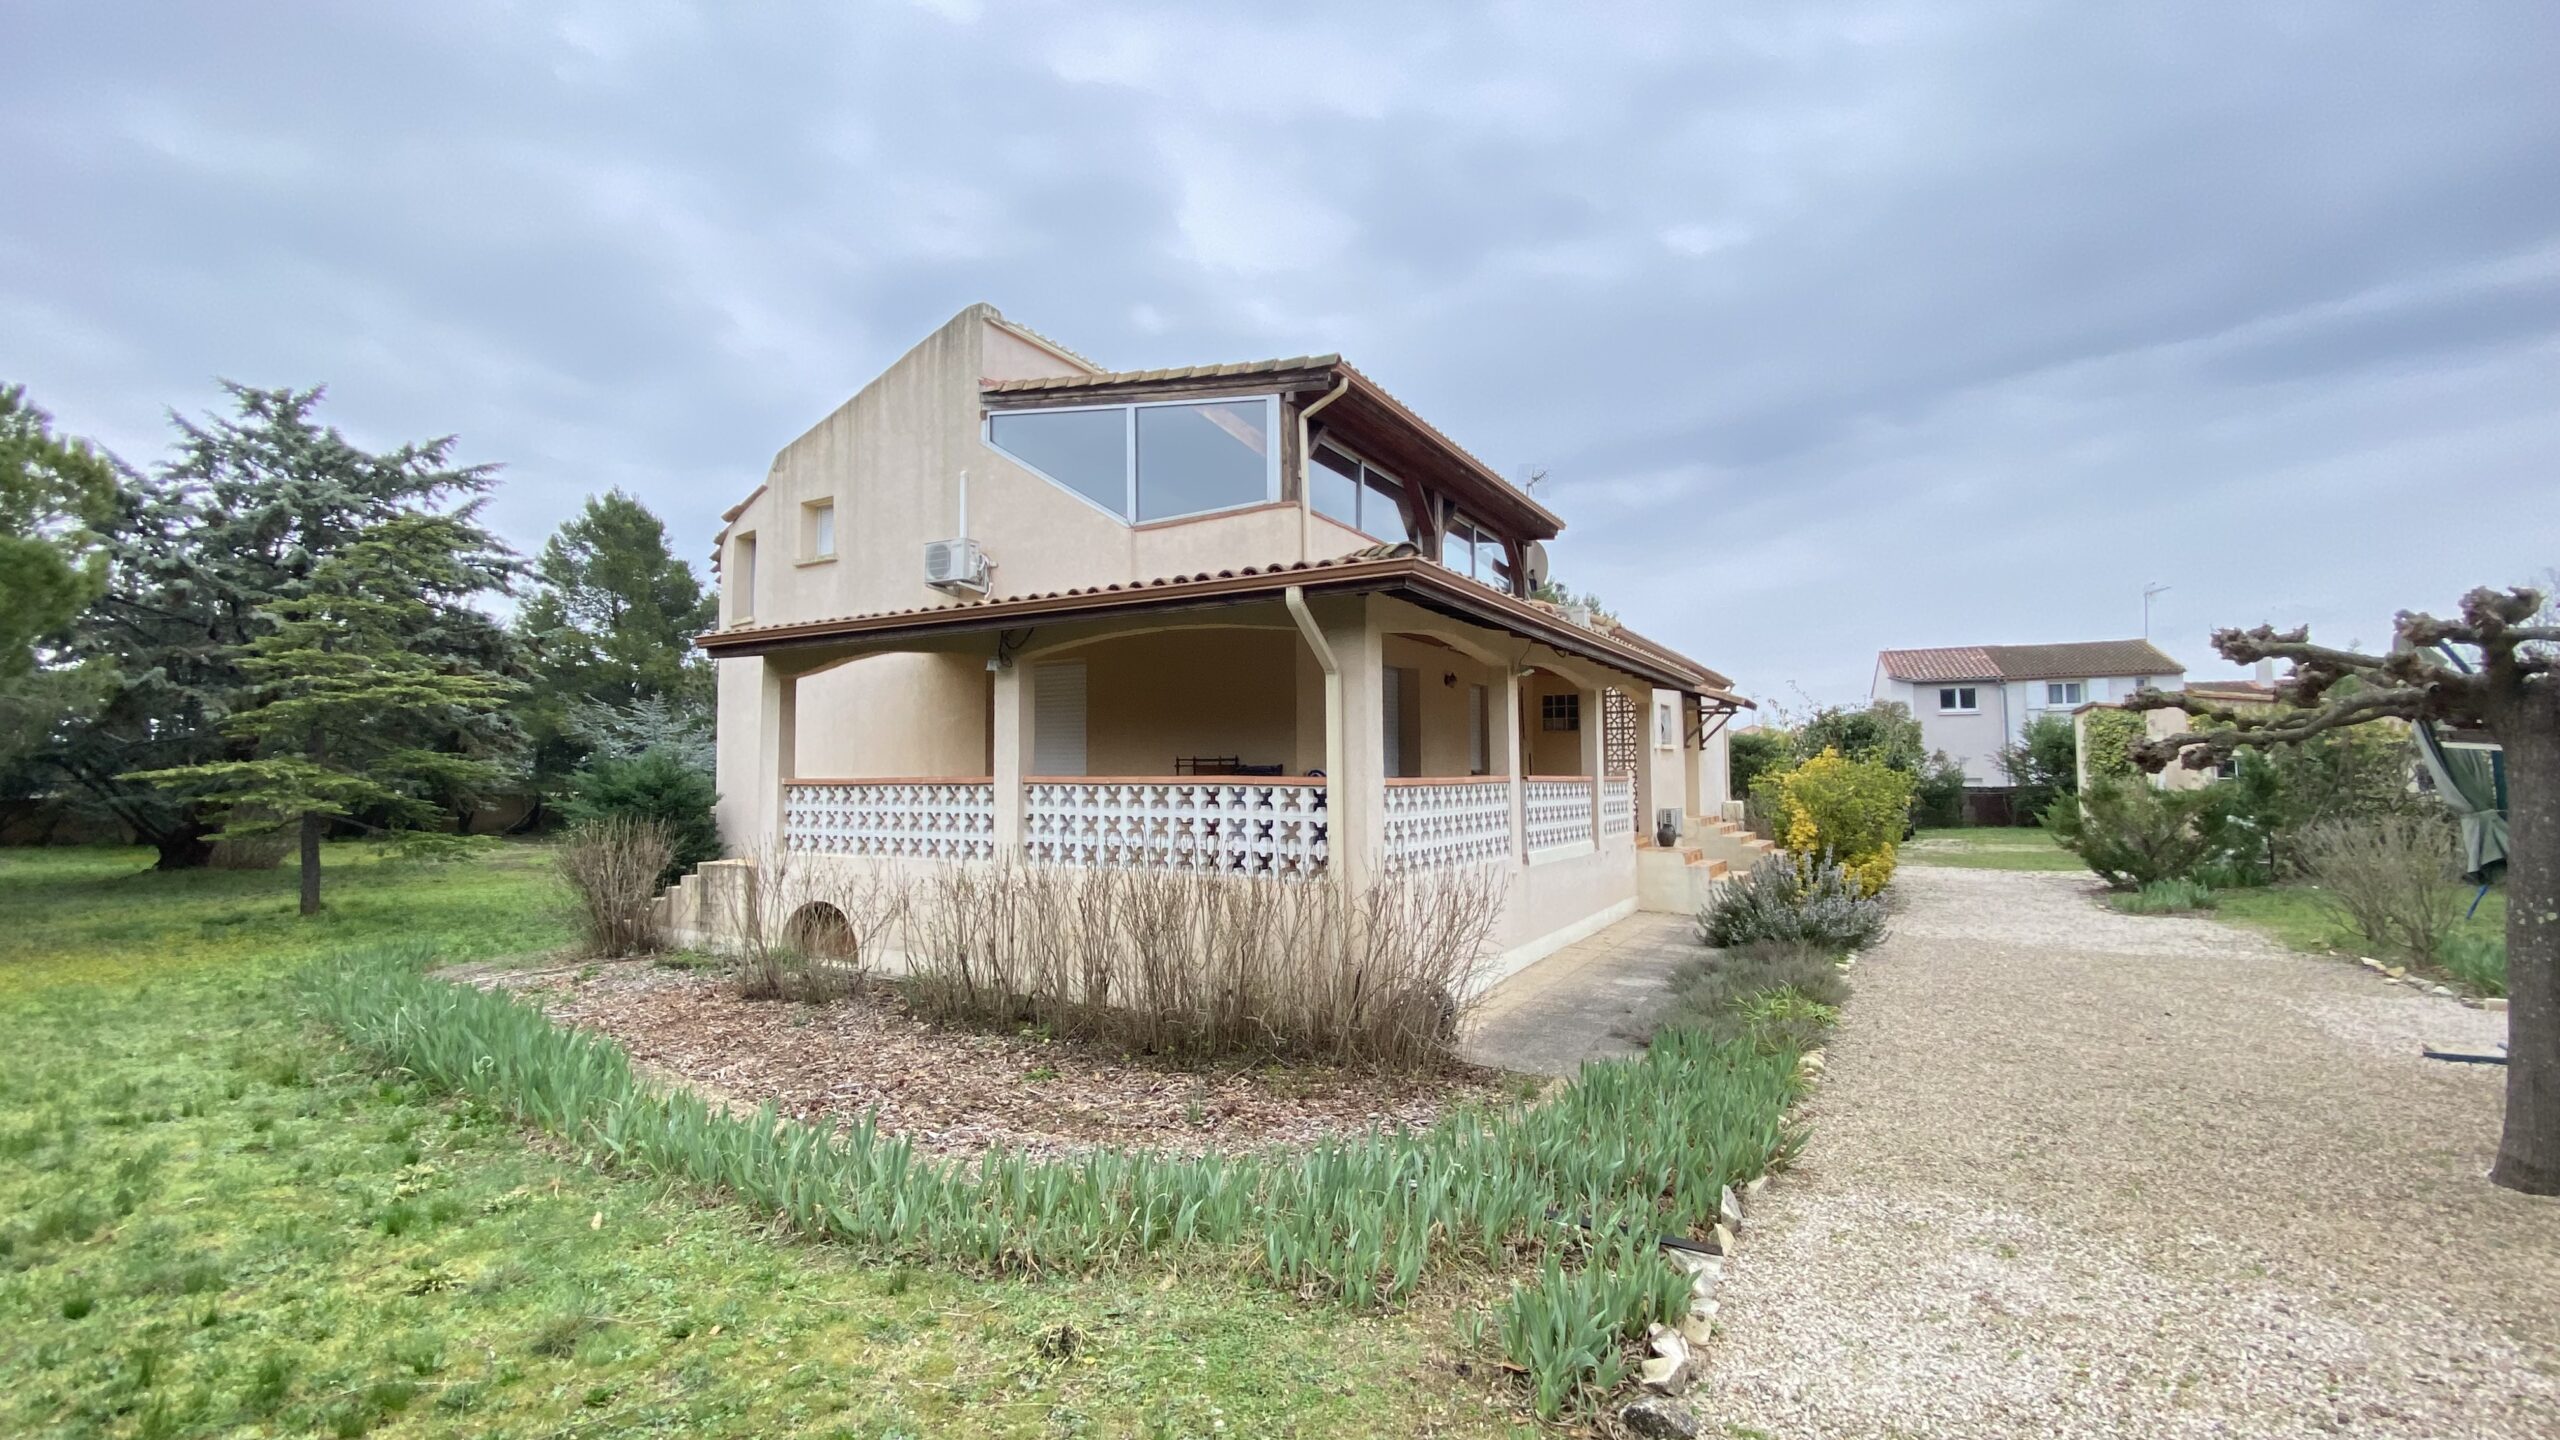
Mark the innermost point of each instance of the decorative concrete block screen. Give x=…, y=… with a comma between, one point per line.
x=1559, y=816
x=1217, y=826
x=914, y=819
x=1439, y=823
x=1617, y=805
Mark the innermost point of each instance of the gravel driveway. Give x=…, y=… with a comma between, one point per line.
x=2079, y=1173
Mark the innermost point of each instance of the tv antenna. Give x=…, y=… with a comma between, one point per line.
x=2154, y=588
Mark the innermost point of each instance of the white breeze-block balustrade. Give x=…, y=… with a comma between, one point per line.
x=1435, y=824
x=1232, y=827
x=1617, y=805
x=1559, y=815
x=915, y=819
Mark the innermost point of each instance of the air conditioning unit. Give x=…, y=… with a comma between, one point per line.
x=955, y=565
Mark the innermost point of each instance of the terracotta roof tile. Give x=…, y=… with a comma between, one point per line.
x=2078, y=660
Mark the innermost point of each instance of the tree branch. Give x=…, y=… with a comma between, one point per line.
x=2202, y=748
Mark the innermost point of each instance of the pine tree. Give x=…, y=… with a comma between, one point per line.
x=54, y=493
x=347, y=715
x=609, y=634
x=239, y=518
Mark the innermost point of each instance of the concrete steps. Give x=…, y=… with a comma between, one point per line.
x=1728, y=841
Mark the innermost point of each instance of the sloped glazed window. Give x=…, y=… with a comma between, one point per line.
x=1193, y=458
x=1085, y=450
x=1156, y=461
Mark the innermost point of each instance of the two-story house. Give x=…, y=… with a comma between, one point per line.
x=1258, y=619
x=1971, y=700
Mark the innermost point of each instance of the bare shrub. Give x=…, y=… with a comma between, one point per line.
x=1178, y=963
x=611, y=868
x=808, y=929
x=2392, y=877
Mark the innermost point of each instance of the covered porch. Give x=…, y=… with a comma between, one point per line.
x=1280, y=734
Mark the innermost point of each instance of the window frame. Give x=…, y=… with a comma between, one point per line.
x=2059, y=693
x=1560, y=705
x=1128, y=513
x=1958, y=693
x=745, y=555
x=1364, y=494
x=818, y=520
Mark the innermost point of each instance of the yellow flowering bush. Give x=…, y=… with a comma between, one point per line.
x=1851, y=811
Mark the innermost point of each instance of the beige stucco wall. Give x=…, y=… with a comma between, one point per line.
x=1150, y=699
x=1442, y=676
x=894, y=715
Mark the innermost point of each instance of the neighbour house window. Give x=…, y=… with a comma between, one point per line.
x=742, y=578
x=1956, y=700
x=1560, y=712
x=2228, y=768
x=1151, y=461
x=1342, y=488
x=818, y=525
x=2062, y=692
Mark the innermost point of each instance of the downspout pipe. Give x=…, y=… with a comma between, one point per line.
x=1295, y=597
x=1306, y=494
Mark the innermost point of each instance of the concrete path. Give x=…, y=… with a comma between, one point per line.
x=2075, y=1173
x=1568, y=1008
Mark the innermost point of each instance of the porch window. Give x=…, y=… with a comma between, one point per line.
x=1155, y=461
x=1666, y=724
x=1560, y=712
x=1479, y=730
x=1345, y=489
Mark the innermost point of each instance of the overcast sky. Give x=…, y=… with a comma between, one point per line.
x=1836, y=327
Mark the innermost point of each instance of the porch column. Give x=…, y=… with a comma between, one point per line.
x=1648, y=716
x=1013, y=735
x=777, y=745
x=1355, y=743
x=1507, y=737
x=1595, y=745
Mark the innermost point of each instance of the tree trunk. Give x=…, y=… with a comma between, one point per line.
x=189, y=847
x=311, y=824
x=2529, y=1151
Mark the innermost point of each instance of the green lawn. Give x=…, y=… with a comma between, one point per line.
x=1989, y=847
x=218, y=1223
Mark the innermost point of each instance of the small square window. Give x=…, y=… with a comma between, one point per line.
x=1560, y=712
x=1956, y=700
x=818, y=529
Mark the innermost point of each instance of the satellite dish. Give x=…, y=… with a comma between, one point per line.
x=1534, y=557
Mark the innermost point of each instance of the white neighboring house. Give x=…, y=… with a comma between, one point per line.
x=1973, y=699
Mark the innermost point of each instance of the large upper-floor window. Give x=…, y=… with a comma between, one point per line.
x=1472, y=550
x=1359, y=495
x=1155, y=461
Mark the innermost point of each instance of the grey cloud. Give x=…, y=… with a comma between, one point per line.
x=1837, y=327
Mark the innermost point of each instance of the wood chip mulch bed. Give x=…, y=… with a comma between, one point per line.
x=960, y=1092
